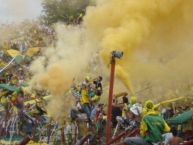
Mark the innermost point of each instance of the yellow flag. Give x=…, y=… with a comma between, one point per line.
x=13, y=53
x=32, y=51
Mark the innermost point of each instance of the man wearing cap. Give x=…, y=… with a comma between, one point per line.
x=135, y=113
x=152, y=127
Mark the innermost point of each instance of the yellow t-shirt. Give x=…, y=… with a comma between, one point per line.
x=84, y=97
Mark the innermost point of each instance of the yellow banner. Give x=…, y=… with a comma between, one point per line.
x=25, y=103
x=170, y=101
x=35, y=100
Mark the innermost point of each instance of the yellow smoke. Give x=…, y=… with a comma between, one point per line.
x=124, y=76
x=155, y=36
x=56, y=69
x=147, y=31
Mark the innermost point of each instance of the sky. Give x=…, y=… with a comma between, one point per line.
x=18, y=10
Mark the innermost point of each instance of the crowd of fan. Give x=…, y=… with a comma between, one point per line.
x=127, y=111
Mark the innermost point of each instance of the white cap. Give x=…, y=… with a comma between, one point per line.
x=136, y=109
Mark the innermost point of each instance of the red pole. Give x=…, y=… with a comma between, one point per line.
x=108, y=126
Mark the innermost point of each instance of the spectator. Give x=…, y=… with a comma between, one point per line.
x=98, y=86
x=116, y=111
x=85, y=100
x=151, y=128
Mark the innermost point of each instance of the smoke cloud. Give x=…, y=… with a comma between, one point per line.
x=155, y=37
x=56, y=69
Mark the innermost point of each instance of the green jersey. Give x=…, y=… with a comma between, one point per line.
x=155, y=127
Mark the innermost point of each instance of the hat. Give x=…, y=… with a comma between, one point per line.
x=149, y=105
x=133, y=99
x=136, y=109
